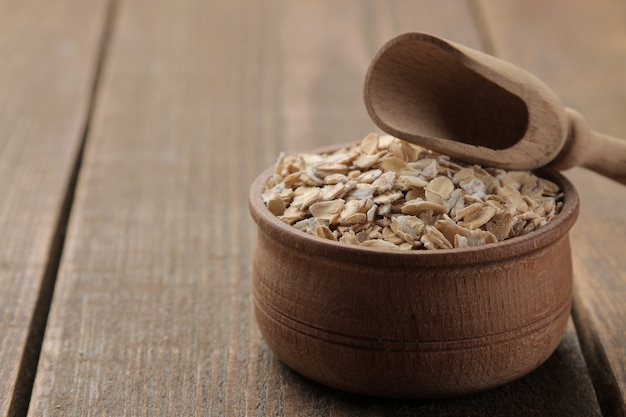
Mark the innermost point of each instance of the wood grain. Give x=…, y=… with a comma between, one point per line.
x=152, y=307
x=585, y=63
x=48, y=58
x=152, y=311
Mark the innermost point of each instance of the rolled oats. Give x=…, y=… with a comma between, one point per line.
x=383, y=192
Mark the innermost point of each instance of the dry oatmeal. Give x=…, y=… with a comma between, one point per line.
x=387, y=193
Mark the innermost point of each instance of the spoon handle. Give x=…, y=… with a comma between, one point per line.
x=596, y=151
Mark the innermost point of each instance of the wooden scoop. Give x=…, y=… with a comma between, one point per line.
x=477, y=108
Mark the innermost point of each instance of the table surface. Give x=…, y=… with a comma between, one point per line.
x=130, y=132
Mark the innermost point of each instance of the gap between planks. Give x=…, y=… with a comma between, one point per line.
x=477, y=12
x=20, y=399
x=604, y=381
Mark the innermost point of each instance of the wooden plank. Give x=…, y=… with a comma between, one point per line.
x=48, y=60
x=584, y=61
x=152, y=310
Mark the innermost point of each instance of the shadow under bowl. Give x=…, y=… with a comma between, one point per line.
x=415, y=324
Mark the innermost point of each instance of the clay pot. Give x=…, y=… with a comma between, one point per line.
x=418, y=324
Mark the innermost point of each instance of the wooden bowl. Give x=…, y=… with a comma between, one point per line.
x=417, y=324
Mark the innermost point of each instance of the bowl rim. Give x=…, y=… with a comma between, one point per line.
x=525, y=244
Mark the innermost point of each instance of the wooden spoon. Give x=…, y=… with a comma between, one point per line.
x=474, y=107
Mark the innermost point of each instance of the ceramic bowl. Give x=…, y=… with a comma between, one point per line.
x=417, y=324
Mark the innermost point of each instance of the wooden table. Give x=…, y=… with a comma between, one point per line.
x=130, y=132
